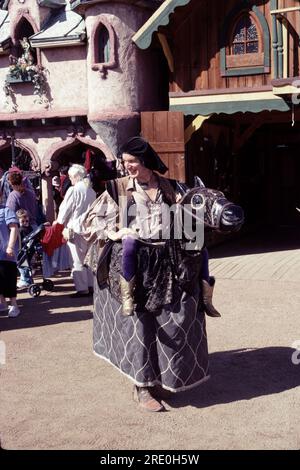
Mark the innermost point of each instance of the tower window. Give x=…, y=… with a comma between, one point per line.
x=104, y=46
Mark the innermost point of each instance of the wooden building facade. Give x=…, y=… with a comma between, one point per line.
x=234, y=78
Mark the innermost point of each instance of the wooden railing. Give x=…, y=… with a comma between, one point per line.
x=280, y=39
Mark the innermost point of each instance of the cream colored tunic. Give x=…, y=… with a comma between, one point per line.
x=146, y=218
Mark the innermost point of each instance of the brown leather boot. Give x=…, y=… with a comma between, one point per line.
x=207, y=294
x=145, y=400
x=127, y=288
x=161, y=393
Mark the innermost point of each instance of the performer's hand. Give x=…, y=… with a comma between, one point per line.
x=10, y=252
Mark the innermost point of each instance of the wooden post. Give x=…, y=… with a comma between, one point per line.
x=280, y=49
x=285, y=48
x=274, y=40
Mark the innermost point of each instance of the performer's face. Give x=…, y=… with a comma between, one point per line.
x=135, y=168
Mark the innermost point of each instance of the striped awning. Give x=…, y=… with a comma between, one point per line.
x=227, y=103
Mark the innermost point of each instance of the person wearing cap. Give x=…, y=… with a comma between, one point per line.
x=160, y=344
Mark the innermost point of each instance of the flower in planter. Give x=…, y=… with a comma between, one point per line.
x=24, y=68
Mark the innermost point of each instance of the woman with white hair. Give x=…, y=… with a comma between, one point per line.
x=77, y=201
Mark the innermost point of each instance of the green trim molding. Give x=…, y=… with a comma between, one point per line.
x=244, y=71
x=161, y=17
x=265, y=68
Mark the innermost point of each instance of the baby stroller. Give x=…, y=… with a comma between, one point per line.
x=32, y=248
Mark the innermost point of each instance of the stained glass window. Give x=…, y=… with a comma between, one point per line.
x=245, y=37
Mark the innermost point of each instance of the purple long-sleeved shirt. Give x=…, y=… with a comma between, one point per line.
x=26, y=200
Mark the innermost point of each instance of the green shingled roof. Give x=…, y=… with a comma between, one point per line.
x=64, y=28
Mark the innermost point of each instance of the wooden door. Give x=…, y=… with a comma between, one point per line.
x=164, y=130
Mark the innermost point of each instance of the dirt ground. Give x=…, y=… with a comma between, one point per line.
x=56, y=394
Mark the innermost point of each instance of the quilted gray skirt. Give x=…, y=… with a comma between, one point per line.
x=168, y=348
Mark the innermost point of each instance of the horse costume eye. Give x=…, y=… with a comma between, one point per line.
x=197, y=201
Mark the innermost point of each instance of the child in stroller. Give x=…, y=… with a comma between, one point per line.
x=25, y=229
x=32, y=249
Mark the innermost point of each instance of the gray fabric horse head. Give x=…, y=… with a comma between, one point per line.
x=212, y=206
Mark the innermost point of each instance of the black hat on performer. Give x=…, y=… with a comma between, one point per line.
x=141, y=149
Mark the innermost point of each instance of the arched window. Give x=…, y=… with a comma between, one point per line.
x=245, y=36
x=103, y=46
x=245, y=42
x=23, y=30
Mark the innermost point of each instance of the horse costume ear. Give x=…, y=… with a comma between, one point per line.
x=181, y=188
x=198, y=183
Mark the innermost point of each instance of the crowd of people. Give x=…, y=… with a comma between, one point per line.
x=21, y=215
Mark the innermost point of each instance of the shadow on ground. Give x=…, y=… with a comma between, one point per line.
x=263, y=240
x=42, y=311
x=241, y=375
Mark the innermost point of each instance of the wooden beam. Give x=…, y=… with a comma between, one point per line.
x=167, y=147
x=194, y=127
x=240, y=138
x=167, y=51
